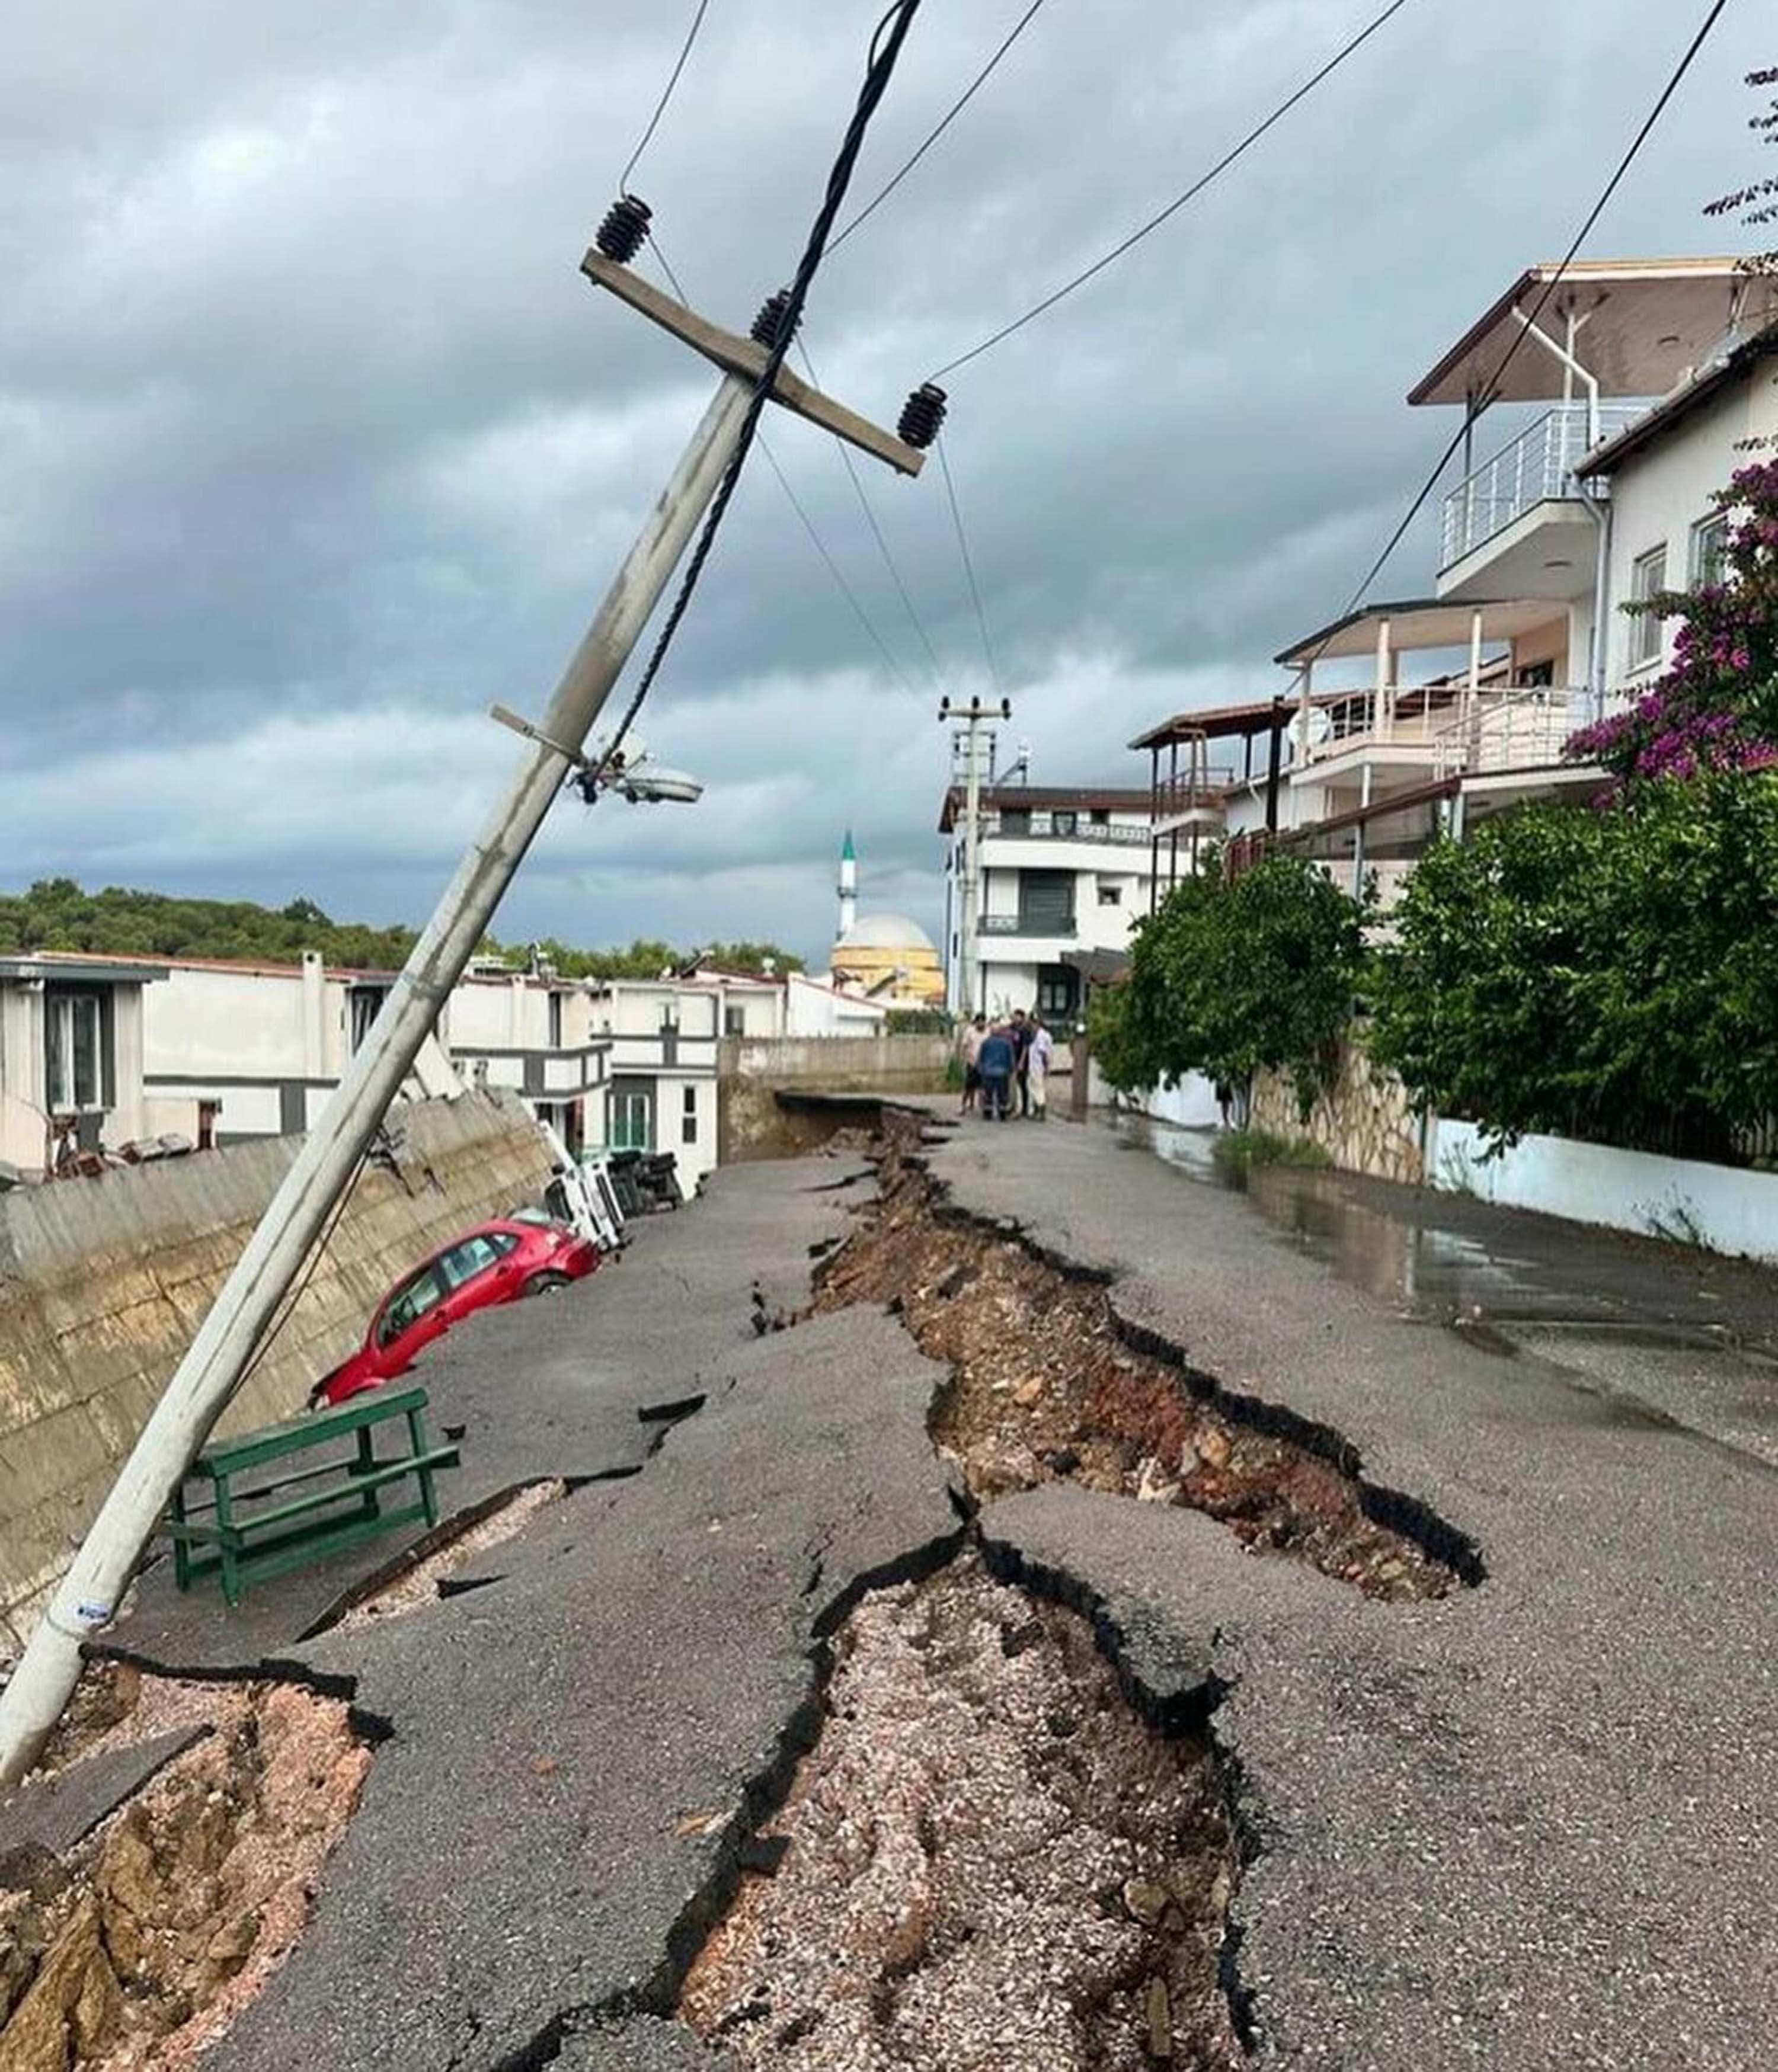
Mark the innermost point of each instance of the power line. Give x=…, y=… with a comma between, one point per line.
x=1489, y=391
x=666, y=94
x=877, y=534
x=969, y=565
x=1179, y=201
x=886, y=43
x=820, y=544
x=834, y=570
x=933, y=135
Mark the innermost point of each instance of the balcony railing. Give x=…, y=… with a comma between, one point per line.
x=1510, y=729
x=1400, y=718
x=1538, y=464
x=1049, y=926
x=1043, y=828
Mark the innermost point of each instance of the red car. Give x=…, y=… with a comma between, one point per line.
x=496, y=1262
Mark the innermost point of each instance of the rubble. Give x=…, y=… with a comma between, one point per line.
x=988, y=1860
x=137, y=1948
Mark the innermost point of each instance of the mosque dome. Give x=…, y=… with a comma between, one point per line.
x=886, y=932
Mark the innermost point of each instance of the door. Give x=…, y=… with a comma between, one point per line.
x=476, y=1272
x=1046, y=903
x=413, y=1316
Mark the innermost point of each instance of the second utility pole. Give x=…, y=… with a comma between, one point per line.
x=969, y=932
x=299, y=1212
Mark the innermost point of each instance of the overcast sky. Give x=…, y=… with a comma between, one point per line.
x=315, y=442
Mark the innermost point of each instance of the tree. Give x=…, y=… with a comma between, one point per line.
x=1229, y=976
x=1608, y=974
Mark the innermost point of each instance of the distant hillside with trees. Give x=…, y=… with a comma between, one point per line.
x=57, y=914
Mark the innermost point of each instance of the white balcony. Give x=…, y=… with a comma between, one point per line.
x=1536, y=467
x=1500, y=730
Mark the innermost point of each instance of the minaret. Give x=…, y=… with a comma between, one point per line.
x=848, y=887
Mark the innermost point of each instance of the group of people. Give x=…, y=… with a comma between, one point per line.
x=1003, y=1060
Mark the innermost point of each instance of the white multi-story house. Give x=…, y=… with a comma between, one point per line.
x=1063, y=870
x=1636, y=382
x=102, y=1050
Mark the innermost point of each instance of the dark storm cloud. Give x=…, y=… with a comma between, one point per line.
x=315, y=443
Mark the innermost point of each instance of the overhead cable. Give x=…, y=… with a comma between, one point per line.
x=1179, y=202
x=865, y=505
x=886, y=43
x=938, y=130
x=666, y=93
x=1489, y=391
x=820, y=544
x=969, y=566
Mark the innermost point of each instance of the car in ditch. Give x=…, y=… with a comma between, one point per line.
x=498, y=1261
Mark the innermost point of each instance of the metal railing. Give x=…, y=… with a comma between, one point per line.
x=1032, y=924
x=1538, y=464
x=1043, y=828
x=1400, y=717
x=1510, y=729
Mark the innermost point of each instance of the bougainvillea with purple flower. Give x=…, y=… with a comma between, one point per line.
x=1717, y=708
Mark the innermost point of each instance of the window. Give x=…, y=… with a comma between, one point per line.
x=1710, y=541
x=687, y=1121
x=74, y=1050
x=464, y=1261
x=555, y=1022
x=1015, y=820
x=1057, y=991
x=1537, y=676
x=632, y=1121
x=1648, y=577
x=1099, y=816
x=735, y=1023
x=1064, y=824
x=1110, y=895
x=409, y=1303
x=364, y=1003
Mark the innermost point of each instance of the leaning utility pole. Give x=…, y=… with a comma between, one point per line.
x=213, y=1368
x=971, y=716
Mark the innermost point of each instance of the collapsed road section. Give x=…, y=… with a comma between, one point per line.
x=1045, y=1388
x=138, y=1941
x=987, y=1859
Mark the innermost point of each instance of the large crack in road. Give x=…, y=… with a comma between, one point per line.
x=987, y=1859
x=1046, y=1387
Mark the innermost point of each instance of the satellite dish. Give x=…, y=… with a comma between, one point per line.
x=1320, y=725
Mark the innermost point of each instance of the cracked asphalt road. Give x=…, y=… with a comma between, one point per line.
x=1527, y=1826
x=1523, y=1827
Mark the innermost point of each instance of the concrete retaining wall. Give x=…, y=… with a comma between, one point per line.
x=104, y=1282
x=1724, y=1208
x=751, y=1071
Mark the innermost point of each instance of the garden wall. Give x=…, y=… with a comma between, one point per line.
x=1725, y=1208
x=751, y=1071
x=103, y=1284
x=1366, y=1122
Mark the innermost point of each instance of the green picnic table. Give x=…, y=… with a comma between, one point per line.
x=238, y=1524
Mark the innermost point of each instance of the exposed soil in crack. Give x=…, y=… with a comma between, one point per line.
x=1044, y=1388
x=986, y=1861
x=138, y=1946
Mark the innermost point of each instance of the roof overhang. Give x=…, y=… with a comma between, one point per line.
x=1701, y=388
x=1221, y=722
x=1415, y=624
x=80, y=971
x=1642, y=323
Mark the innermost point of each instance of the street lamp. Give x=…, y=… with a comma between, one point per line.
x=633, y=774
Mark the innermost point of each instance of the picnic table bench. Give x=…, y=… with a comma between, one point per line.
x=244, y=1532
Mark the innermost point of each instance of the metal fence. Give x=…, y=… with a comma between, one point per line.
x=1539, y=463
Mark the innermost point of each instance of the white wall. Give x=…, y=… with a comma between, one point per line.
x=1659, y=494
x=811, y=1009
x=1724, y=1207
